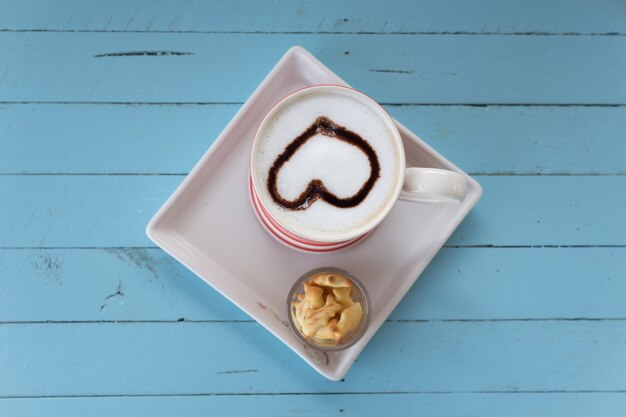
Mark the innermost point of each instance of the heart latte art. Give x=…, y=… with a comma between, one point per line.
x=326, y=162
x=316, y=188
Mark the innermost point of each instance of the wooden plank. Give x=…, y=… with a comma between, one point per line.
x=107, y=138
x=105, y=284
x=561, y=210
x=112, y=211
x=461, y=283
x=49, y=209
x=484, y=16
x=434, y=405
x=226, y=358
x=170, y=138
x=140, y=67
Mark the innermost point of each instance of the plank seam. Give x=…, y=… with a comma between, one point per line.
x=415, y=321
x=369, y=33
x=485, y=246
x=239, y=103
x=226, y=394
x=182, y=174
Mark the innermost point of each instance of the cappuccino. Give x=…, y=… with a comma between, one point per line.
x=326, y=163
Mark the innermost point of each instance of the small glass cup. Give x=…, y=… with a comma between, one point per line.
x=359, y=294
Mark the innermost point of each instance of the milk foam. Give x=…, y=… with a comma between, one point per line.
x=342, y=167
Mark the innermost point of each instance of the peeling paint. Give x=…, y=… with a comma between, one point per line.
x=141, y=258
x=392, y=71
x=243, y=371
x=49, y=267
x=118, y=293
x=142, y=53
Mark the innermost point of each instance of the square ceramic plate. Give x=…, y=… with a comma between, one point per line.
x=209, y=226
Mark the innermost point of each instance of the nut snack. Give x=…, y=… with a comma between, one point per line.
x=328, y=308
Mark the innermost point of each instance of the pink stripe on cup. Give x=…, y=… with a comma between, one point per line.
x=289, y=239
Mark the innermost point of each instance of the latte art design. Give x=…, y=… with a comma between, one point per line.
x=326, y=162
x=316, y=189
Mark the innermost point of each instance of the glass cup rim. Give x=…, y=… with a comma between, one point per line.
x=356, y=336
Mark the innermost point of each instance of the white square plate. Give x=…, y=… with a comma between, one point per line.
x=209, y=226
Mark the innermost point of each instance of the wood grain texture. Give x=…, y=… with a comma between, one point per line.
x=340, y=405
x=392, y=16
x=140, y=67
x=89, y=309
x=202, y=358
x=137, y=284
x=112, y=211
x=169, y=139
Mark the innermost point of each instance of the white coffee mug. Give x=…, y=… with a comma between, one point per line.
x=426, y=185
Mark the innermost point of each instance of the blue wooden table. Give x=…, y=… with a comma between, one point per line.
x=106, y=105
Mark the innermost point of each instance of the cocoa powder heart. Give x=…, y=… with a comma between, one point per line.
x=316, y=188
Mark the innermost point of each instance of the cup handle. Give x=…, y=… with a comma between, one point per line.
x=433, y=185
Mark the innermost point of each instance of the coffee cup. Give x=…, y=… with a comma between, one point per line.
x=327, y=165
